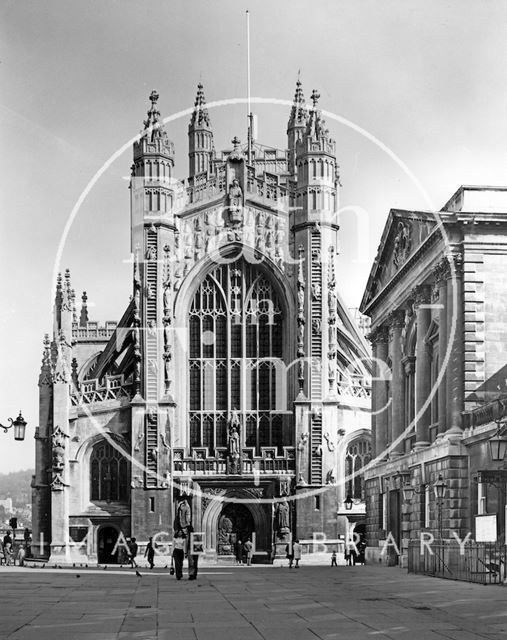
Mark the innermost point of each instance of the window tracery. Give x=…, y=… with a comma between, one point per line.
x=235, y=344
x=109, y=471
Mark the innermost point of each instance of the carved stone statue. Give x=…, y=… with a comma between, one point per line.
x=58, y=457
x=235, y=203
x=184, y=515
x=234, y=442
x=283, y=515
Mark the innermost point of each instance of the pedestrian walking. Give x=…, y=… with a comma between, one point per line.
x=150, y=553
x=248, y=547
x=21, y=554
x=179, y=543
x=296, y=549
x=239, y=552
x=132, y=552
x=333, y=559
x=289, y=553
x=8, y=553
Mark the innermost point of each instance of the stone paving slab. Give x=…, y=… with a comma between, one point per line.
x=258, y=603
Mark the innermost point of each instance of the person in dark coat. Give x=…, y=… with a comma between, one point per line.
x=239, y=552
x=150, y=553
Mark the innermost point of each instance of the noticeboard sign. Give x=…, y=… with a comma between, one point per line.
x=485, y=528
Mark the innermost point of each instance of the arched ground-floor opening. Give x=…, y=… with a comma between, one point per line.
x=107, y=536
x=237, y=515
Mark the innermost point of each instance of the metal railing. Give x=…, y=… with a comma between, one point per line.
x=479, y=562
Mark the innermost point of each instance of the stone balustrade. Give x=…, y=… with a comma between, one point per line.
x=200, y=463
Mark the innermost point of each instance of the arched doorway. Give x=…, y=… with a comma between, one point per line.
x=235, y=523
x=106, y=541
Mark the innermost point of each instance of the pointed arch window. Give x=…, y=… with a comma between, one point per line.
x=359, y=453
x=109, y=473
x=235, y=349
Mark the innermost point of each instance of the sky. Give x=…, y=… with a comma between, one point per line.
x=415, y=95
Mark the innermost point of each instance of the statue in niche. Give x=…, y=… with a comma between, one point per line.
x=235, y=197
x=224, y=530
x=184, y=515
x=58, y=457
x=283, y=516
x=316, y=291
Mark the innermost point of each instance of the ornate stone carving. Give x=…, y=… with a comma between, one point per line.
x=379, y=334
x=402, y=243
x=301, y=317
x=183, y=515
x=234, y=443
x=421, y=295
x=137, y=324
x=455, y=261
x=139, y=439
x=332, y=303
x=283, y=516
x=58, y=445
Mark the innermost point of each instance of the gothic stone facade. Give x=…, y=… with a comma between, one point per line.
x=236, y=380
x=436, y=298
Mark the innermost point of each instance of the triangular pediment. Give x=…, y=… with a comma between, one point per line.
x=403, y=234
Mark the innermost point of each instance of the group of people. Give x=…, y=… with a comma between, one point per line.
x=244, y=552
x=10, y=554
x=181, y=548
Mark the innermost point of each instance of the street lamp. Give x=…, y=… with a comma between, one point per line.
x=19, y=426
x=348, y=502
x=498, y=443
x=440, y=488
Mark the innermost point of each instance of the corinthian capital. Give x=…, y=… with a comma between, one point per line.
x=397, y=319
x=441, y=271
x=421, y=295
x=379, y=334
x=455, y=261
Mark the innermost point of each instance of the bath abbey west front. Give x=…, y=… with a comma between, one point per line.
x=233, y=395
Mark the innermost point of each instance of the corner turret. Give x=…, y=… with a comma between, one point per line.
x=201, y=149
x=296, y=125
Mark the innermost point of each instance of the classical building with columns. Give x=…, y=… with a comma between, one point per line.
x=233, y=395
x=436, y=297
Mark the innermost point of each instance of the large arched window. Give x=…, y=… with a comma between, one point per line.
x=108, y=473
x=235, y=352
x=357, y=457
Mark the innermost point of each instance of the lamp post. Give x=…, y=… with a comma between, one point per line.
x=19, y=426
x=348, y=502
x=498, y=443
x=440, y=488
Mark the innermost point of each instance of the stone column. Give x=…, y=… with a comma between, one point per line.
x=397, y=320
x=454, y=382
x=441, y=274
x=380, y=389
x=422, y=367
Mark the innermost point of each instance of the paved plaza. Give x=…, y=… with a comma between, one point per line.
x=246, y=603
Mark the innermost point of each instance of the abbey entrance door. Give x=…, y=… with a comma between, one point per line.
x=235, y=523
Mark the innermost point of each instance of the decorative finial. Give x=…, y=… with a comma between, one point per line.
x=315, y=97
x=154, y=97
x=200, y=115
x=298, y=113
x=236, y=142
x=83, y=319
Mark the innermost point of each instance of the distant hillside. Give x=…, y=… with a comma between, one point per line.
x=16, y=485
